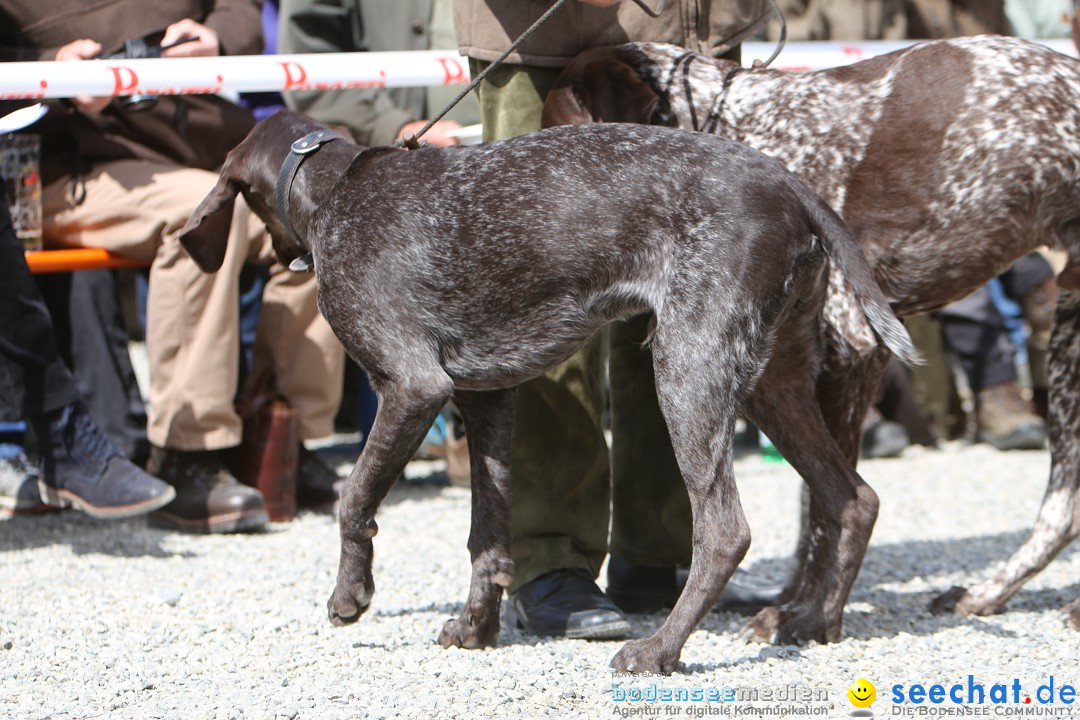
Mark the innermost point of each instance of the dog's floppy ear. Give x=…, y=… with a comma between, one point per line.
x=600, y=86
x=206, y=233
x=566, y=106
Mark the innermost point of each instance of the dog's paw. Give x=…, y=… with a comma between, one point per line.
x=946, y=602
x=470, y=633
x=792, y=625
x=1072, y=614
x=969, y=601
x=762, y=627
x=645, y=655
x=345, y=606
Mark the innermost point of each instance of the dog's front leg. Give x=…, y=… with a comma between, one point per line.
x=489, y=419
x=406, y=411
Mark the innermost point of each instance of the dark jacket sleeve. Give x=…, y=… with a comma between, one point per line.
x=238, y=24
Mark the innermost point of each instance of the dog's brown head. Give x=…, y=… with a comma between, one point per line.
x=252, y=169
x=606, y=85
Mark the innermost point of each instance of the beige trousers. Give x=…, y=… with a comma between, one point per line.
x=137, y=208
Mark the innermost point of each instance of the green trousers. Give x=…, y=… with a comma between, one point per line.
x=565, y=487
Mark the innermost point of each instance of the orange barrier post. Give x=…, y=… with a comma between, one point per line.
x=53, y=261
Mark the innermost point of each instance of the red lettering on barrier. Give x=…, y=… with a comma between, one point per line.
x=119, y=85
x=292, y=81
x=453, y=72
x=22, y=96
x=855, y=53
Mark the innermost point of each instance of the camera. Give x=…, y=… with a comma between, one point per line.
x=137, y=49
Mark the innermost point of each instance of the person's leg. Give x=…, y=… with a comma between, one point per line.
x=18, y=475
x=85, y=308
x=559, y=461
x=138, y=208
x=898, y=404
x=1031, y=283
x=652, y=521
x=651, y=516
x=79, y=465
x=974, y=332
x=32, y=374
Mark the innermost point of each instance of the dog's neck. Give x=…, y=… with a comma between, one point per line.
x=297, y=220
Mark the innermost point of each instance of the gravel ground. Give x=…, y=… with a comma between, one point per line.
x=117, y=620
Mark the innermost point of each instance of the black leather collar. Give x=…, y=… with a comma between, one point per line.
x=298, y=152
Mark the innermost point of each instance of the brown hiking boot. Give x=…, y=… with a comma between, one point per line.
x=208, y=498
x=1005, y=421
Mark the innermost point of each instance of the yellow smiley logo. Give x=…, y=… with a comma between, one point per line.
x=862, y=693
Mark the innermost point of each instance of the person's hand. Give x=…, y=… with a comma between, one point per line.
x=84, y=49
x=436, y=135
x=79, y=50
x=206, y=45
x=601, y=3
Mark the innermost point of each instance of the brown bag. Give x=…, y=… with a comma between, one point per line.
x=268, y=454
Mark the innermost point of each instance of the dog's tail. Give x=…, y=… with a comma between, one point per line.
x=844, y=251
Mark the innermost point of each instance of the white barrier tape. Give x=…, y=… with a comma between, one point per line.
x=232, y=74
x=331, y=71
x=821, y=55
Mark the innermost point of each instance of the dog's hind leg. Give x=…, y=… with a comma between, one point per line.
x=846, y=386
x=699, y=372
x=407, y=407
x=489, y=420
x=1058, y=522
x=842, y=510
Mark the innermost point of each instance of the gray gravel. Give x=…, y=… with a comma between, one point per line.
x=116, y=620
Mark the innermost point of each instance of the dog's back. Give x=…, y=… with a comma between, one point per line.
x=923, y=151
x=568, y=228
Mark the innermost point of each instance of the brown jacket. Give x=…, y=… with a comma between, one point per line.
x=842, y=20
x=195, y=130
x=485, y=28
x=935, y=19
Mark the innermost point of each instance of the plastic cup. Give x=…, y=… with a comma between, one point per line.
x=20, y=160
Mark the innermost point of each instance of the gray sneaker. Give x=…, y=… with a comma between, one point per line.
x=18, y=486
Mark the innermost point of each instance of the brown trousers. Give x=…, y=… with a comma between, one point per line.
x=137, y=208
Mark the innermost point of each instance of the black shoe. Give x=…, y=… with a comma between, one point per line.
x=80, y=467
x=884, y=439
x=209, y=499
x=317, y=486
x=641, y=589
x=569, y=604
x=746, y=594
x=19, y=486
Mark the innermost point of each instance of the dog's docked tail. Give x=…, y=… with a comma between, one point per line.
x=844, y=251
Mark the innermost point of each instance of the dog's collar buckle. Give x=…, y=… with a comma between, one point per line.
x=312, y=141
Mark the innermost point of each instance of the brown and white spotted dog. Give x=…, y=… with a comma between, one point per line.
x=948, y=160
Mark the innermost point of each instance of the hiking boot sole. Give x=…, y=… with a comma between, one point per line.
x=61, y=498
x=247, y=521
x=1030, y=438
